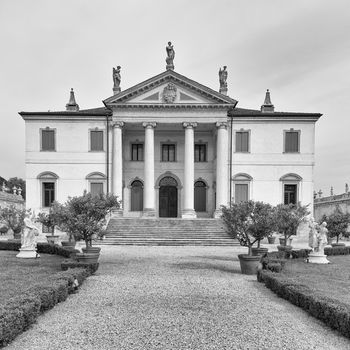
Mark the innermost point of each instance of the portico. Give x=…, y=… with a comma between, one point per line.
x=168, y=184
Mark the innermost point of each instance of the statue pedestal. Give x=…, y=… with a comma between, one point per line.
x=317, y=258
x=27, y=253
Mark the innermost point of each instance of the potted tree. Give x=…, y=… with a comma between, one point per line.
x=84, y=216
x=14, y=219
x=337, y=224
x=249, y=222
x=49, y=221
x=287, y=218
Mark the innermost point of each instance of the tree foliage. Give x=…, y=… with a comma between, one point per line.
x=249, y=222
x=84, y=216
x=287, y=218
x=337, y=223
x=13, y=217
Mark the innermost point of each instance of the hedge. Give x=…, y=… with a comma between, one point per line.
x=345, y=250
x=22, y=310
x=332, y=312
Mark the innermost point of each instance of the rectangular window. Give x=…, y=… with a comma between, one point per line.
x=137, y=151
x=48, y=193
x=242, y=141
x=96, y=188
x=48, y=140
x=168, y=153
x=96, y=140
x=290, y=194
x=200, y=153
x=241, y=193
x=291, y=142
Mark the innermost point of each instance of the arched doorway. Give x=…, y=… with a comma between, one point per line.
x=200, y=196
x=136, y=196
x=168, y=197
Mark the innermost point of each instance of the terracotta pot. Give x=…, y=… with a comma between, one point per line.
x=249, y=263
x=271, y=239
x=17, y=233
x=338, y=244
x=52, y=239
x=90, y=258
x=282, y=241
x=91, y=250
x=68, y=243
x=330, y=240
x=259, y=251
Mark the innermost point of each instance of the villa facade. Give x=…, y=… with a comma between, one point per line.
x=170, y=147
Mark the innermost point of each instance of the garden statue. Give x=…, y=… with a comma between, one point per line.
x=318, y=240
x=313, y=233
x=116, y=79
x=170, y=56
x=28, y=240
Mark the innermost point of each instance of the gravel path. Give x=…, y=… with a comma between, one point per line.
x=176, y=298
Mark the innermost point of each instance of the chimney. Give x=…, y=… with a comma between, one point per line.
x=72, y=105
x=267, y=106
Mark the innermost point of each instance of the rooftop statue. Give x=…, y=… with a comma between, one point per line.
x=223, y=77
x=170, y=56
x=116, y=77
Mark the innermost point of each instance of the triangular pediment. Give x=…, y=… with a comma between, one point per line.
x=170, y=88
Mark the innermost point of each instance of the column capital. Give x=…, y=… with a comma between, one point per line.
x=149, y=125
x=221, y=125
x=117, y=124
x=188, y=125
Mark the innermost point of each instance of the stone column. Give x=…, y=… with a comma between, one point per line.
x=117, y=162
x=221, y=167
x=148, y=194
x=188, y=208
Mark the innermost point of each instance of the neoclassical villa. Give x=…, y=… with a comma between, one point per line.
x=170, y=147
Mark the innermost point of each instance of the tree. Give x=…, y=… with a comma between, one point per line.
x=287, y=218
x=337, y=223
x=14, y=217
x=18, y=182
x=84, y=216
x=249, y=222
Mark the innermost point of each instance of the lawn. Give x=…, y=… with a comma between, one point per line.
x=18, y=275
x=332, y=280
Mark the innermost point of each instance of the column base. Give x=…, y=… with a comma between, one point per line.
x=117, y=213
x=217, y=213
x=26, y=253
x=188, y=214
x=149, y=213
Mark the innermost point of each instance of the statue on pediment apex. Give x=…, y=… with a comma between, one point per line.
x=116, y=77
x=223, y=77
x=170, y=56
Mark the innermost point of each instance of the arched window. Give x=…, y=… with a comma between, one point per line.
x=96, y=183
x=48, y=184
x=200, y=196
x=241, y=184
x=136, y=196
x=290, y=188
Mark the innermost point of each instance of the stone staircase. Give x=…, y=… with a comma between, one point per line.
x=167, y=232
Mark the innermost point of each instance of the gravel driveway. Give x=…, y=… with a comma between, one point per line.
x=176, y=298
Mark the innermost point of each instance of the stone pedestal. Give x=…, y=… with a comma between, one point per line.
x=27, y=253
x=317, y=258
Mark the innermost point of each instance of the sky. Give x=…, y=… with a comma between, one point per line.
x=298, y=49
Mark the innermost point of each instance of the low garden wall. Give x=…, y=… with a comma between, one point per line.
x=21, y=311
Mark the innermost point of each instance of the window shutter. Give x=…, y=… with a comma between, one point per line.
x=241, y=192
x=242, y=141
x=96, y=188
x=96, y=140
x=292, y=141
x=48, y=140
